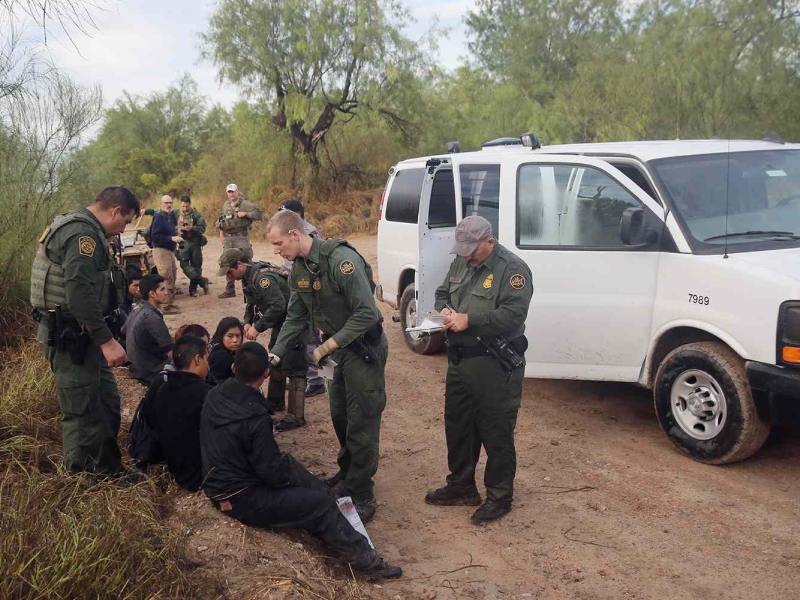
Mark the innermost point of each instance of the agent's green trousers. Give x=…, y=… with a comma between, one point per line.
x=358, y=396
x=480, y=409
x=90, y=413
x=191, y=256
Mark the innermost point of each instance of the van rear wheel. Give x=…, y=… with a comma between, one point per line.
x=421, y=344
x=705, y=405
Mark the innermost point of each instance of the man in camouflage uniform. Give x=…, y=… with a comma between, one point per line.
x=486, y=294
x=266, y=295
x=234, y=223
x=191, y=227
x=332, y=290
x=75, y=291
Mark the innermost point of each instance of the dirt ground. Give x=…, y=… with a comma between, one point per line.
x=604, y=507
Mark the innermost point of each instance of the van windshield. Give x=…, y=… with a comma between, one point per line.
x=735, y=199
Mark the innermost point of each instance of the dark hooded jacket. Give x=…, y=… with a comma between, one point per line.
x=174, y=402
x=236, y=441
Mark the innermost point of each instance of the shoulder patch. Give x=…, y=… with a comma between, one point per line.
x=517, y=281
x=347, y=267
x=263, y=282
x=86, y=245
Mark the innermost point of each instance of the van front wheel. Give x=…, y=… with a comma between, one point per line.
x=705, y=405
x=421, y=344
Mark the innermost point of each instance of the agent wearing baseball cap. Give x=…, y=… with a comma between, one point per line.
x=486, y=293
x=234, y=222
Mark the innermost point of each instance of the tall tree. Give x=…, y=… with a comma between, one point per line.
x=317, y=62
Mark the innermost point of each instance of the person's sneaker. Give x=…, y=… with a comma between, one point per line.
x=289, y=424
x=170, y=309
x=193, y=293
x=226, y=295
x=315, y=390
x=491, y=510
x=380, y=569
x=452, y=496
x=365, y=509
x=129, y=477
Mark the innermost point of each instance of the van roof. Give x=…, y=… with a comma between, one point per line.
x=644, y=151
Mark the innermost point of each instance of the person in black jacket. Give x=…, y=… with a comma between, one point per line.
x=164, y=238
x=226, y=341
x=173, y=407
x=247, y=477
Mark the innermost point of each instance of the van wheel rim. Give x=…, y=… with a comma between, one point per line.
x=411, y=319
x=698, y=404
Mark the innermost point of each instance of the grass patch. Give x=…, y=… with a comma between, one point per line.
x=68, y=536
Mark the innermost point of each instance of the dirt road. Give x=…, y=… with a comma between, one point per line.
x=604, y=507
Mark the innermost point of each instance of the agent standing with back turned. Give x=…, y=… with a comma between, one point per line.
x=485, y=296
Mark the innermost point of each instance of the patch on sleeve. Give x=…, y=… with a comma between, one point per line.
x=517, y=281
x=86, y=245
x=263, y=282
x=347, y=267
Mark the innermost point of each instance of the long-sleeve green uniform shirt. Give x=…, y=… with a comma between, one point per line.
x=83, y=253
x=266, y=294
x=337, y=290
x=495, y=295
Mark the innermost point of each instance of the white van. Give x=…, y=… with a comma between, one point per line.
x=674, y=264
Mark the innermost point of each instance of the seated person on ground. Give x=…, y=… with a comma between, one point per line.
x=173, y=404
x=226, y=341
x=194, y=329
x=247, y=477
x=147, y=339
x=133, y=276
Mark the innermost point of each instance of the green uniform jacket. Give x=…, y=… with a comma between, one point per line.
x=266, y=295
x=495, y=294
x=83, y=252
x=195, y=220
x=233, y=225
x=339, y=295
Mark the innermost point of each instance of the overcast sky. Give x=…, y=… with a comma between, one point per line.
x=144, y=45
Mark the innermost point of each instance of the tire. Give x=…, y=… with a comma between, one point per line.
x=705, y=405
x=420, y=344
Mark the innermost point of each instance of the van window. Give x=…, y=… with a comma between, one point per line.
x=402, y=205
x=570, y=206
x=480, y=192
x=442, y=211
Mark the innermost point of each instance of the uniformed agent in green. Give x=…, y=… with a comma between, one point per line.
x=266, y=295
x=75, y=289
x=486, y=293
x=234, y=222
x=332, y=290
x=191, y=227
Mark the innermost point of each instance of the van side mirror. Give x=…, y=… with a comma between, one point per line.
x=632, y=231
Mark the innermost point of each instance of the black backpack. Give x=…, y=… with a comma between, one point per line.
x=143, y=445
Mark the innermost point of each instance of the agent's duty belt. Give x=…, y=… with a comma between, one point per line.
x=464, y=352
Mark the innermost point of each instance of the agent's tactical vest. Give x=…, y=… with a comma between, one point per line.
x=47, y=274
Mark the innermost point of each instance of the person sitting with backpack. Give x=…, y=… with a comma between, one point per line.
x=169, y=415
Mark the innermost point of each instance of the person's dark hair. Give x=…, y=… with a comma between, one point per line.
x=116, y=195
x=194, y=329
x=223, y=327
x=186, y=199
x=149, y=283
x=251, y=360
x=132, y=273
x=185, y=349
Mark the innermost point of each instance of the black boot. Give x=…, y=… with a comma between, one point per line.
x=491, y=510
x=366, y=510
x=452, y=496
x=377, y=569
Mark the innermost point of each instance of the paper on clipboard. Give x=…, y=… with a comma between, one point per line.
x=431, y=324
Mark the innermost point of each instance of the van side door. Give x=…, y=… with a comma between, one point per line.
x=592, y=308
